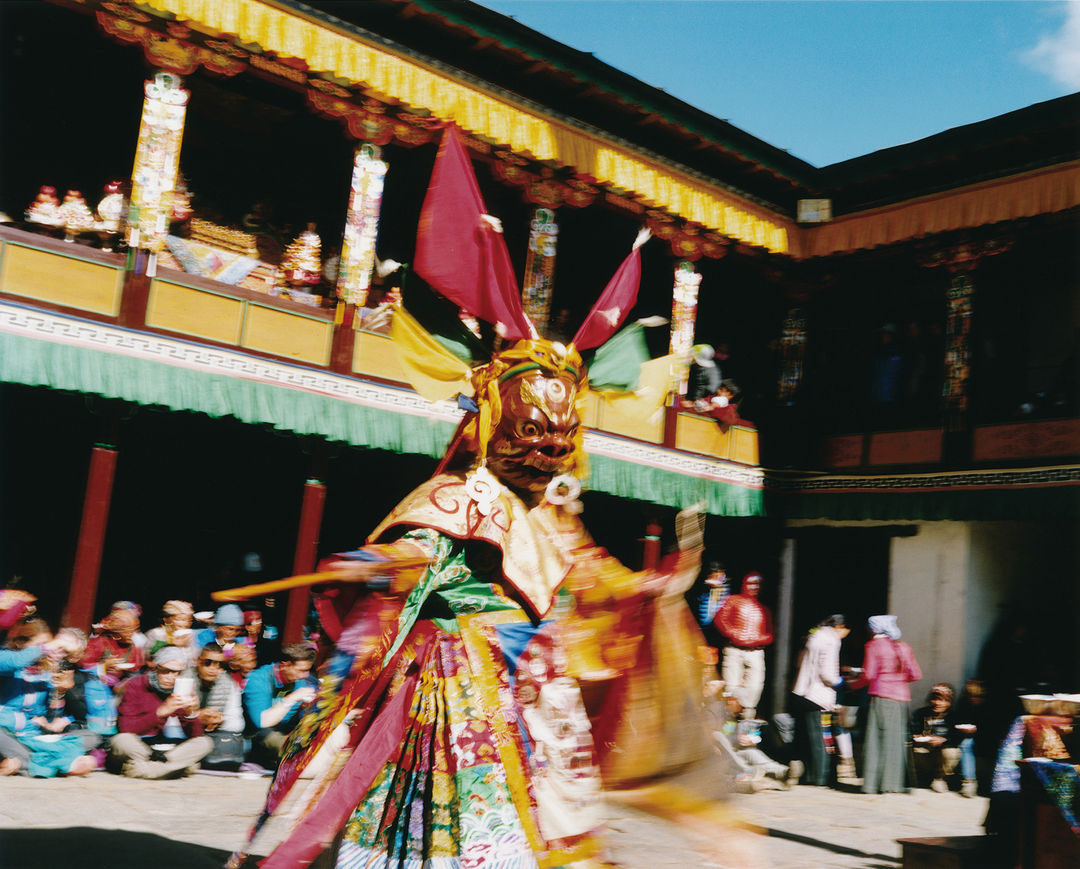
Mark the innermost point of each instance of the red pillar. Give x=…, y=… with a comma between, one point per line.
x=344, y=340
x=650, y=546
x=307, y=545
x=82, y=595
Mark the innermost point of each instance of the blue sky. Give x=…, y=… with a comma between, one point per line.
x=831, y=79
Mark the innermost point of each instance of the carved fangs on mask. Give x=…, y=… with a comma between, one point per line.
x=534, y=441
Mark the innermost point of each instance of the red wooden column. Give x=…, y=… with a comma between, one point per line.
x=82, y=595
x=650, y=545
x=344, y=340
x=307, y=546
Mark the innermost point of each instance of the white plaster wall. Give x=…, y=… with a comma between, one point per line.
x=950, y=582
x=928, y=591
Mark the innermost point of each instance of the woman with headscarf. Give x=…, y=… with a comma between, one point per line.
x=889, y=666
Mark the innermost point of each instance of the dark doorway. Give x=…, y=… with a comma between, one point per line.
x=840, y=570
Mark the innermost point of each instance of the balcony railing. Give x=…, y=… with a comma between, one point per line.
x=74, y=278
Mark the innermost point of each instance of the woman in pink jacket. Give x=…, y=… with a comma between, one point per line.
x=888, y=666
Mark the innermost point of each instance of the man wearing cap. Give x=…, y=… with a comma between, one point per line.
x=228, y=625
x=746, y=626
x=161, y=734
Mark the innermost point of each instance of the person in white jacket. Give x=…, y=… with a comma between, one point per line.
x=815, y=692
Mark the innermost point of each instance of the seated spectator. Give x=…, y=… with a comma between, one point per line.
x=227, y=628
x=724, y=406
x=138, y=638
x=755, y=770
x=275, y=697
x=161, y=734
x=937, y=754
x=175, y=629
x=260, y=638
x=221, y=708
x=68, y=701
x=241, y=665
x=35, y=742
x=91, y=688
x=15, y=605
x=114, y=648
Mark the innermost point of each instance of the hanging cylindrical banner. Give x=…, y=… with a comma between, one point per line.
x=361, y=225
x=792, y=351
x=960, y=298
x=157, y=159
x=540, y=268
x=684, y=317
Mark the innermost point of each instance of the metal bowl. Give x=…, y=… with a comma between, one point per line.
x=1065, y=704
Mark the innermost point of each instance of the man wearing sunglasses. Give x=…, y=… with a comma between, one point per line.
x=161, y=732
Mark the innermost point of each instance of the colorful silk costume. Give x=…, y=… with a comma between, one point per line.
x=451, y=703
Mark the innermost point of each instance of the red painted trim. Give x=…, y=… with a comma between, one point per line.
x=650, y=549
x=343, y=343
x=82, y=594
x=307, y=545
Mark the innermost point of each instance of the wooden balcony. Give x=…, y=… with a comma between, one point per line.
x=78, y=280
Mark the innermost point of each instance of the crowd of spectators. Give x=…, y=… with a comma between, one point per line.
x=157, y=705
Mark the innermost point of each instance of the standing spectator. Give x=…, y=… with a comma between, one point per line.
x=888, y=666
x=221, y=708
x=704, y=378
x=114, y=648
x=161, y=735
x=227, y=629
x=711, y=599
x=937, y=753
x=175, y=628
x=275, y=697
x=815, y=693
x=746, y=626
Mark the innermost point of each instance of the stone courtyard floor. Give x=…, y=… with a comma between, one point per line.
x=115, y=823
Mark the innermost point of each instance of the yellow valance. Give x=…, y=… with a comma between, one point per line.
x=1041, y=191
x=288, y=34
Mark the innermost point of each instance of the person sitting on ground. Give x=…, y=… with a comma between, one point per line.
x=742, y=738
x=67, y=700
x=275, y=697
x=937, y=754
x=41, y=748
x=175, y=628
x=221, y=708
x=264, y=642
x=161, y=734
x=227, y=629
x=115, y=648
x=242, y=664
x=14, y=755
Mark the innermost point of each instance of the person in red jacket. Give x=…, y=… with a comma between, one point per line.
x=161, y=733
x=746, y=625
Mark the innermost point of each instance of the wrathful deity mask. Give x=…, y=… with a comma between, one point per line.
x=528, y=400
x=534, y=440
